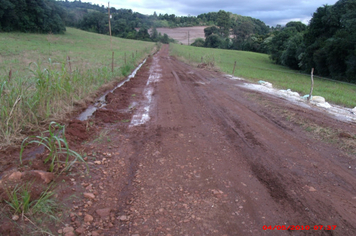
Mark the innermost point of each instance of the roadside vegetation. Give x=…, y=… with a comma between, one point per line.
x=42, y=76
x=257, y=66
x=31, y=203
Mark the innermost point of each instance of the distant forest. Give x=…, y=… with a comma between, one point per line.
x=326, y=44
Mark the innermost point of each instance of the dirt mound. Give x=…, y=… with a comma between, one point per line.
x=119, y=99
x=78, y=130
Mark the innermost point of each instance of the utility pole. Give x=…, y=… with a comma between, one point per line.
x=188, y=37
x=109, y=24
x=312, y=84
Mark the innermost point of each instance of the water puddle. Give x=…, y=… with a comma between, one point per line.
x=200, y=83
x=233, y=77
x=142, y=114
x=101, y=102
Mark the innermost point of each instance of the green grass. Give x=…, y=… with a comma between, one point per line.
x=21, y=202
x=44, y=87
x=256, y=66
x=39, y=210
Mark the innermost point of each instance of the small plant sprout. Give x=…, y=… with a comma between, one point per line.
x=55, y=142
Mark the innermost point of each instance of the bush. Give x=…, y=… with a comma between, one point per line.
x=199, y=42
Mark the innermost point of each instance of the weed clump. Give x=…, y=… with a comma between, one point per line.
x=57, y=147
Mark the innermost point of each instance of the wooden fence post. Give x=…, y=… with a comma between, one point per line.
x=10, y=74
x=125, y=58
x=188, y=37
x=70, y=65
x=233, y=72
x=312, y=84
x=112, y=63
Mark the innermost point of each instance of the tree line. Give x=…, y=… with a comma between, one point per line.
x=124, y=22
x=231, y=31
x=326, y=44
x=133, y=25
x=37, y=16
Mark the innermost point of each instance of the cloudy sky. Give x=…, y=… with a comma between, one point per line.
x=272, y=12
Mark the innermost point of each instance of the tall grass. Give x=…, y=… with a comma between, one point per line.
x=43, y=87
x=256, y=66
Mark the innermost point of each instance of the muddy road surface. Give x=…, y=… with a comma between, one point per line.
x=181, y=150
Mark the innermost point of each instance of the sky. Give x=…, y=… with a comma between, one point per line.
x=272, y=12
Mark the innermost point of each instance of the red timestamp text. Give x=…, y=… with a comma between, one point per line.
x=299, y=227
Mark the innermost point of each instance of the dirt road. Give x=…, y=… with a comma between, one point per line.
x=185, y=151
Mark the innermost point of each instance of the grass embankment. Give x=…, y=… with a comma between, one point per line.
x=256, y=66
x=43, y=86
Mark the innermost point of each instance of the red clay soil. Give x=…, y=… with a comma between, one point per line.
x=214, y=159
x=77, y=130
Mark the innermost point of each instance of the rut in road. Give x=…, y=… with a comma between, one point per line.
x=210, y=158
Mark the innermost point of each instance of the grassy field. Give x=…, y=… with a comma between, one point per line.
x=44, y=86
x=256, y=66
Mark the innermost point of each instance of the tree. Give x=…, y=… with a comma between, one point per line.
x=165, y=39
x=223, y=21
x=330, y=41
x=143, y=34
x=279, y=43
x=351, y=67
x=299, y=26
x=40, y=16
x=5, y=6
x=293, y=52
x=241, y=32
x=95, y=22
x=154, y=34
x=213, y=41
x=211, y=30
